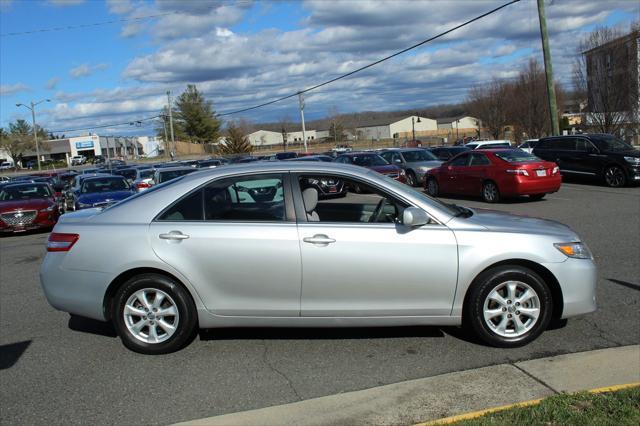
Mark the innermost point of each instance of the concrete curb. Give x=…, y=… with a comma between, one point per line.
x=443, y=396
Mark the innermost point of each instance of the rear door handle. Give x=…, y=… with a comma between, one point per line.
x=173, y=235
x=319, y=239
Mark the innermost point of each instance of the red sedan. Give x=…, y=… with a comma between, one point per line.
x=494, y=174
x=27, y=206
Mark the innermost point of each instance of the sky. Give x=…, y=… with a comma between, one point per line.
x=246, y=52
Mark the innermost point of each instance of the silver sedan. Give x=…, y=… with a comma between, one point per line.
x=253, y=246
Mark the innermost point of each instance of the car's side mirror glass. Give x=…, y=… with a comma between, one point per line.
x=397, y=161
x=414, y=217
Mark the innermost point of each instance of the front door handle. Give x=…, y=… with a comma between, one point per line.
x=319, y=239
x=173, y=235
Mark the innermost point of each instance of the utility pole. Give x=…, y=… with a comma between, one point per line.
x=35, y=129
x=173, y=142
x=304, y=132
x=166, y=138
x=551, y=91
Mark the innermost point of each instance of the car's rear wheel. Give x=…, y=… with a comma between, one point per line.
x=490, y=192
x=153, y=314
x=536, y=197
x=508, y=306
x=433, y=188
x=614, y=177
x=411, y=178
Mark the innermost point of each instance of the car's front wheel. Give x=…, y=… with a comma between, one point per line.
x=614, y=177
x=508, y=306
x=411, y=178
x=153, y=314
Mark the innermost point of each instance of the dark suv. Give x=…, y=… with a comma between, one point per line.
x=597, y=155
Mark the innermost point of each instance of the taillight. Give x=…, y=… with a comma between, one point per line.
x=61, y=242
x=522, y=172
x=555, y=170
x=141, y=185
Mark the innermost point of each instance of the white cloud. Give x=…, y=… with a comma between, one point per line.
x=12, y=89
x=119, y=7
x=85, y=70
x=52, y=83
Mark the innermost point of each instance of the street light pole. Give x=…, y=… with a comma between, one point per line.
x=173, y=142
x=35, y=130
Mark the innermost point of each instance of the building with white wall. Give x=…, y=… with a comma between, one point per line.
x=464, y=122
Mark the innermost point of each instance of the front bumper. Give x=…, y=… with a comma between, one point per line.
x=577, y=278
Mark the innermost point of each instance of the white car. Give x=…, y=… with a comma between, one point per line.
x=78, y=160
x=6, y=165
x=528, y=145
x=489, y=144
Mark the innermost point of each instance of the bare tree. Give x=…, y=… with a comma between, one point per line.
x=528, y=109
x=336, y=124
x=489, y=103
x=605, y=74
x=284, y=126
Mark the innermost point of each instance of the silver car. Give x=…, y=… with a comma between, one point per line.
x=416, y=162
x=252, y=245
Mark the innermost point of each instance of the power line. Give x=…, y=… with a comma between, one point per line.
x=442, y=34
x=128, y=123
x=95, y=24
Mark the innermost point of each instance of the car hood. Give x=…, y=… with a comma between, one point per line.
x=430, y=164
x=504, y=222
x=385, y=169
x=33, y=204
x=98, y=197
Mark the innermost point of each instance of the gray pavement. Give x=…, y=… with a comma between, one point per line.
x=432, y=398
x=56, y=370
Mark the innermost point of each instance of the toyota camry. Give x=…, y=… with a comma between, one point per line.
x=253, y=245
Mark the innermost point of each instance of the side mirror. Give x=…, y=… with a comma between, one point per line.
x=397, y=161
x=414, y=217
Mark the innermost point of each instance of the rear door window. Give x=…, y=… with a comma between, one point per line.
x=479, y=160
x=462, y=160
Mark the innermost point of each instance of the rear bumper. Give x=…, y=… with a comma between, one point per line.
x=77, y=292
x=577, y=278
x=523, y=185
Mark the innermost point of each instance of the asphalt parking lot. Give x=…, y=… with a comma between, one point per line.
x=55, y=369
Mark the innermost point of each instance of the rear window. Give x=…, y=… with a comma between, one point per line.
x=104, y=185
x=146, y=174
x=516, y=156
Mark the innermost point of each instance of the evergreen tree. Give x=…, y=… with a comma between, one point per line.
x=194, y=118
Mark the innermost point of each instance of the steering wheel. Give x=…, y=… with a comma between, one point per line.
x=377, y=213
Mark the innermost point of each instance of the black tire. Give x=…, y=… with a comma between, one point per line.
x=433, y=189
x=484, y=284
x=536, y=197
x=614, y=177
x=411, y=178
x=187, y=316
x=490, y=192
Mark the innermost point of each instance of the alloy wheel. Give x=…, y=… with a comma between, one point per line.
x=151, y=315
x=432, y=187
x=614, y=177
x=511, y=309
x=490, y=192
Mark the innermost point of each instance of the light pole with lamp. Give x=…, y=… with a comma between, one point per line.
x=35, y=130
x=413, y=126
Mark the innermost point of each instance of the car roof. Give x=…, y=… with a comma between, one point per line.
x=174, y=169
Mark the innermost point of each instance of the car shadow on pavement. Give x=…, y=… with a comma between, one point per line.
x=632, y=286
x=318, y=333
x=510, y=200
x=11, y=353
x=88, y=325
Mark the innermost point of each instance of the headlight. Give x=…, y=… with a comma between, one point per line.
x=424, y=169
x=575, y=250
x=635, y=160
x=48, y=209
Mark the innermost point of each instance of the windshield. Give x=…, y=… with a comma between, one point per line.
x=516, y=156
x=418, y=155
x=172, y=174
x=368, y=160
x=610, y=143
x=106, y=184
x=25, y=192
